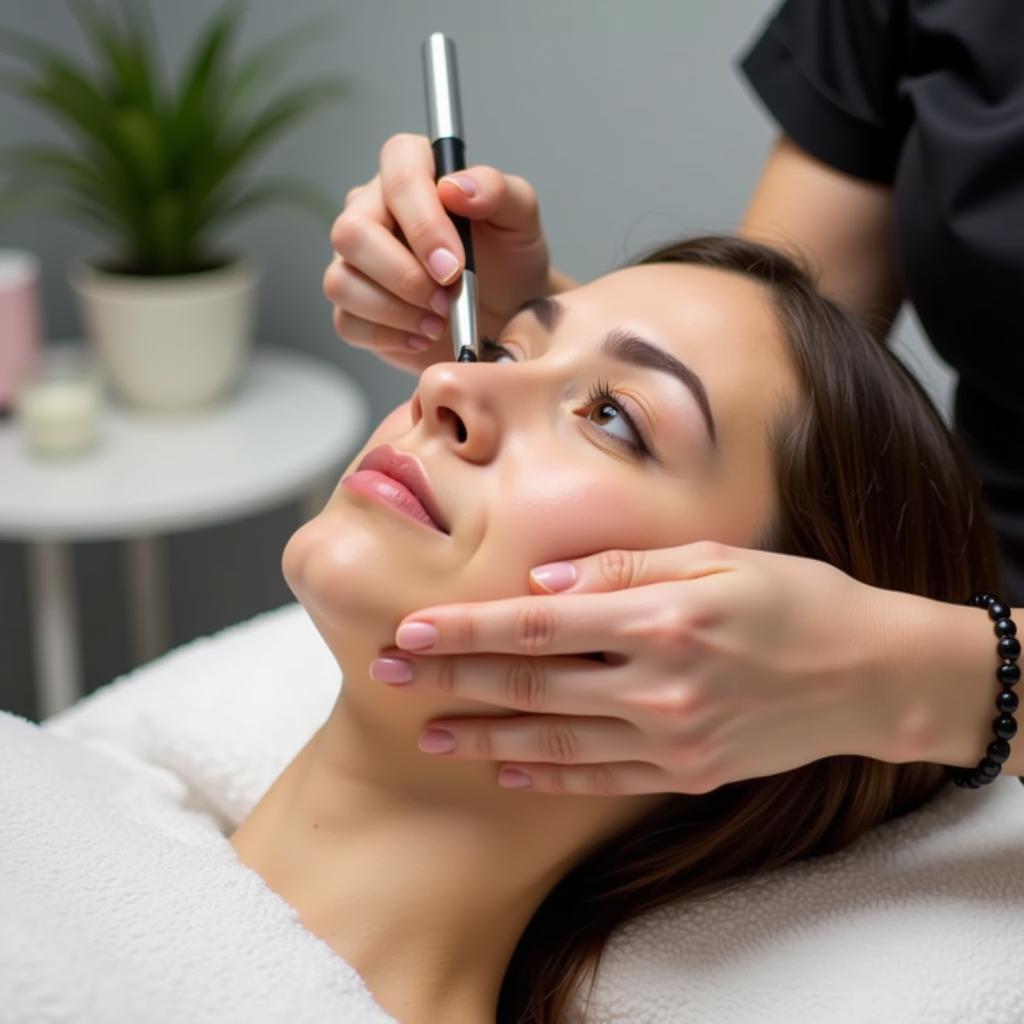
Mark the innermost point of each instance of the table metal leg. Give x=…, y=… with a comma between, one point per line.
x=147, y=606
x=55, y=631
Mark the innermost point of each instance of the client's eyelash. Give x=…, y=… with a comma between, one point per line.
x=492, y=346
x=601, y=391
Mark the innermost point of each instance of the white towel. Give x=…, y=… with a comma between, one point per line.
x=122, y=900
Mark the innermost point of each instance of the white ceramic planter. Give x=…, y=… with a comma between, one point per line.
x=169, y=343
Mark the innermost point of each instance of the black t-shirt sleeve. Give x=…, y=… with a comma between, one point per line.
x=828, y=71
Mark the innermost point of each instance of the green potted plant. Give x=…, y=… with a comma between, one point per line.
x=160, y=170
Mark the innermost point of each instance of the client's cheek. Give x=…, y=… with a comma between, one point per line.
x=518, y=542
x=590, y=517
x=396, y=423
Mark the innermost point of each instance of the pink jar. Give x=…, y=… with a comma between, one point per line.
x=21, y=328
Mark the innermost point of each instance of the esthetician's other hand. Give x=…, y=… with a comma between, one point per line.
x=396, y=248
x=725, y=663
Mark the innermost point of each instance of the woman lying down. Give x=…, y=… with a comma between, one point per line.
x=704, y=392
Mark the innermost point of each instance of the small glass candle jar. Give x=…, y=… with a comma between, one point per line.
x=57, y=401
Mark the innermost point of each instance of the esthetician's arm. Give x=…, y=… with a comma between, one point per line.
x=841, y=225
x=811, y=661
x=756, y=662
x=734, y=664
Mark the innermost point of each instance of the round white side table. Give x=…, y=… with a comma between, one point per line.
x=284, y=433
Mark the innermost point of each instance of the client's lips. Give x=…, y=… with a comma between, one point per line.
x=405, y=470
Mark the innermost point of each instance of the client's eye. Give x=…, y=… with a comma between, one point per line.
x=601, y=399
x=606, y=403
x=490, y=348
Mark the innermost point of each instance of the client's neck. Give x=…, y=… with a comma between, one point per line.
x=419, y=871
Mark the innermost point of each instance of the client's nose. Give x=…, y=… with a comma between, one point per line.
x=458, y=402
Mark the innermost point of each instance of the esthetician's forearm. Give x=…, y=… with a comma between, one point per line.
x=938, y=672
x=842, y=225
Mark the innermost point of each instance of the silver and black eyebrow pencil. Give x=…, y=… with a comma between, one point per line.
x=444, y=120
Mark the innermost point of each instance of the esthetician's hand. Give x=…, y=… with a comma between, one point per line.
x=396, y=247
x=725, y=663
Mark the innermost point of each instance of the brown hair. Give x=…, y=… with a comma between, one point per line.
x=871, y=481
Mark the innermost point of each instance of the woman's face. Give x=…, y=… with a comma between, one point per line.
x=530, y=463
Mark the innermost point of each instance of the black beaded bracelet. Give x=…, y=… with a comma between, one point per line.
x=1007, y=675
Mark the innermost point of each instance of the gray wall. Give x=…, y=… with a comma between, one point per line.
x=628, y=118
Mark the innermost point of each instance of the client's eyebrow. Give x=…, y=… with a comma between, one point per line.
x=628, y=347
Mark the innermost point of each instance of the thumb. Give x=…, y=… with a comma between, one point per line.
x=621, y=568
x=506, y=201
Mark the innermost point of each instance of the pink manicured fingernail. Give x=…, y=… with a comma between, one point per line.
x=437, y=741
x=555, y=575
x=432, y=326
x=462, y=182
x=416, y=636
x=443, y=264
x=513, y=778
x=417, y=344
x=391, y=670
x=440, y=303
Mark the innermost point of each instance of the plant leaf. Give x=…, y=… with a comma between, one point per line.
x=281, y=113
x=168, y=253
x=260, y=66
x=46, y=162
x=142, y=143
x=69, y=97
x=33, y=51
x=158, y=170
x=141, y=40
x=17, y=198
x=203, y=68
x=287, y=190
x=87, y=176
x=124, y=56
x=23, y=197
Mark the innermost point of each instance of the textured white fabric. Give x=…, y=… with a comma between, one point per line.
x=121, y=899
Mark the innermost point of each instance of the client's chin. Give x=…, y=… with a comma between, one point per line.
x=329, y=565
x=361, y=572
x=356, y=595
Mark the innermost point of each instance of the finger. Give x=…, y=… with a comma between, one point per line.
x=359, y=295
x=368, y=201
x=564, y=624
x=558, y=739
x=362, y=333
x=620, y=569
x=369, y=246
x=413, y=355
x=410, y=193
x=560, y=686
x=505, y=201
x=410, y=362
x=630, y=778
